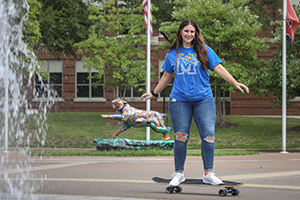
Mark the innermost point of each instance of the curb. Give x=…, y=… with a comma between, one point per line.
x=257, y=150
x=294, y=150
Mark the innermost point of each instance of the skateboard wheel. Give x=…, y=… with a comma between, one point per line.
x=222, y=192
x=169, y=190
x=235, y=192
x=178, y=189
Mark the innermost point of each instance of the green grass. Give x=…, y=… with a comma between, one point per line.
x=124, y=153
x=257, y=133
x=78, y=130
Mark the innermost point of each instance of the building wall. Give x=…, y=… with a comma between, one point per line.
x=253, y=105
x=238, y=105
x=69, y=102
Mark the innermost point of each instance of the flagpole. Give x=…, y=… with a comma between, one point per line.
x=148, y=104
x=284, y=78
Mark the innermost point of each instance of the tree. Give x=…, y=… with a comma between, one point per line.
x=267, y=12
x=229, y=28
x=63, y=23
x=32, y=37
x=163, y=14
x=118, y=57
x=271, y=78
x=161, y=10
x=31, y=27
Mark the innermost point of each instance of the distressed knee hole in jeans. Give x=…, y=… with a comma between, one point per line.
x=181, y=137
x=210, y=139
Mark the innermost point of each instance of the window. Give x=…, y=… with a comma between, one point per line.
x=53, y=86
x=133, y=92
x=217, y=88
x=214, y=91
x=167, y=91
x=88, y=87
x=298, y=94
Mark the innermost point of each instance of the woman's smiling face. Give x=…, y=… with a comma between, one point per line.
x=188, y=35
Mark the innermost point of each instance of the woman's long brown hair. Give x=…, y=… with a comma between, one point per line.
x=198, y=43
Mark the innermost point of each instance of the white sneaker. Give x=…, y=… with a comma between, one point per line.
x=177, y=179
x=212, y=179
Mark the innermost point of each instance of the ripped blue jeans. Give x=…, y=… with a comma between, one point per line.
x=181, y=113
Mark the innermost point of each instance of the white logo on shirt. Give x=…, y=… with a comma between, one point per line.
x=188, y=64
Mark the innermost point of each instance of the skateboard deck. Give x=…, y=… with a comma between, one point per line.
x=229, y=186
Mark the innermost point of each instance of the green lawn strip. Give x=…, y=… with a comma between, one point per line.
x=78, y=130
x=132, y=153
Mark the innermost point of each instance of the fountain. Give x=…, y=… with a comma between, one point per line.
x=19, y=122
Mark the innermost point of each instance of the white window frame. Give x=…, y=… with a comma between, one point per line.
x=80, y=69
x=132, y=98
x=51, y=67
x=227, y=99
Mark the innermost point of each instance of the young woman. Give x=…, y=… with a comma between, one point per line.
x=190, y=59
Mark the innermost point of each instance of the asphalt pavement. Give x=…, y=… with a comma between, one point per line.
x=268, y=176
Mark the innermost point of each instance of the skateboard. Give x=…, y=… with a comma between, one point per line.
x=228, y=185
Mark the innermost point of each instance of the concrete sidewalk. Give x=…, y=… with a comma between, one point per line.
x=64, y=197
x=295, y=150
x=129, y=178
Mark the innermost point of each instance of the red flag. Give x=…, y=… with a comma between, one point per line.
x=292, y=22
x=145, y=11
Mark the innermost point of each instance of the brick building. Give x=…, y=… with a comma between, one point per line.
x=76, y=94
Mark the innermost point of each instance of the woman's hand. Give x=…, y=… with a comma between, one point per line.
x=147, y=96
x=223, y=73
x=165, y=79
x=240, y=86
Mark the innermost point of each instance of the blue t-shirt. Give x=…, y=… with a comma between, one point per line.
x=191, y=82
